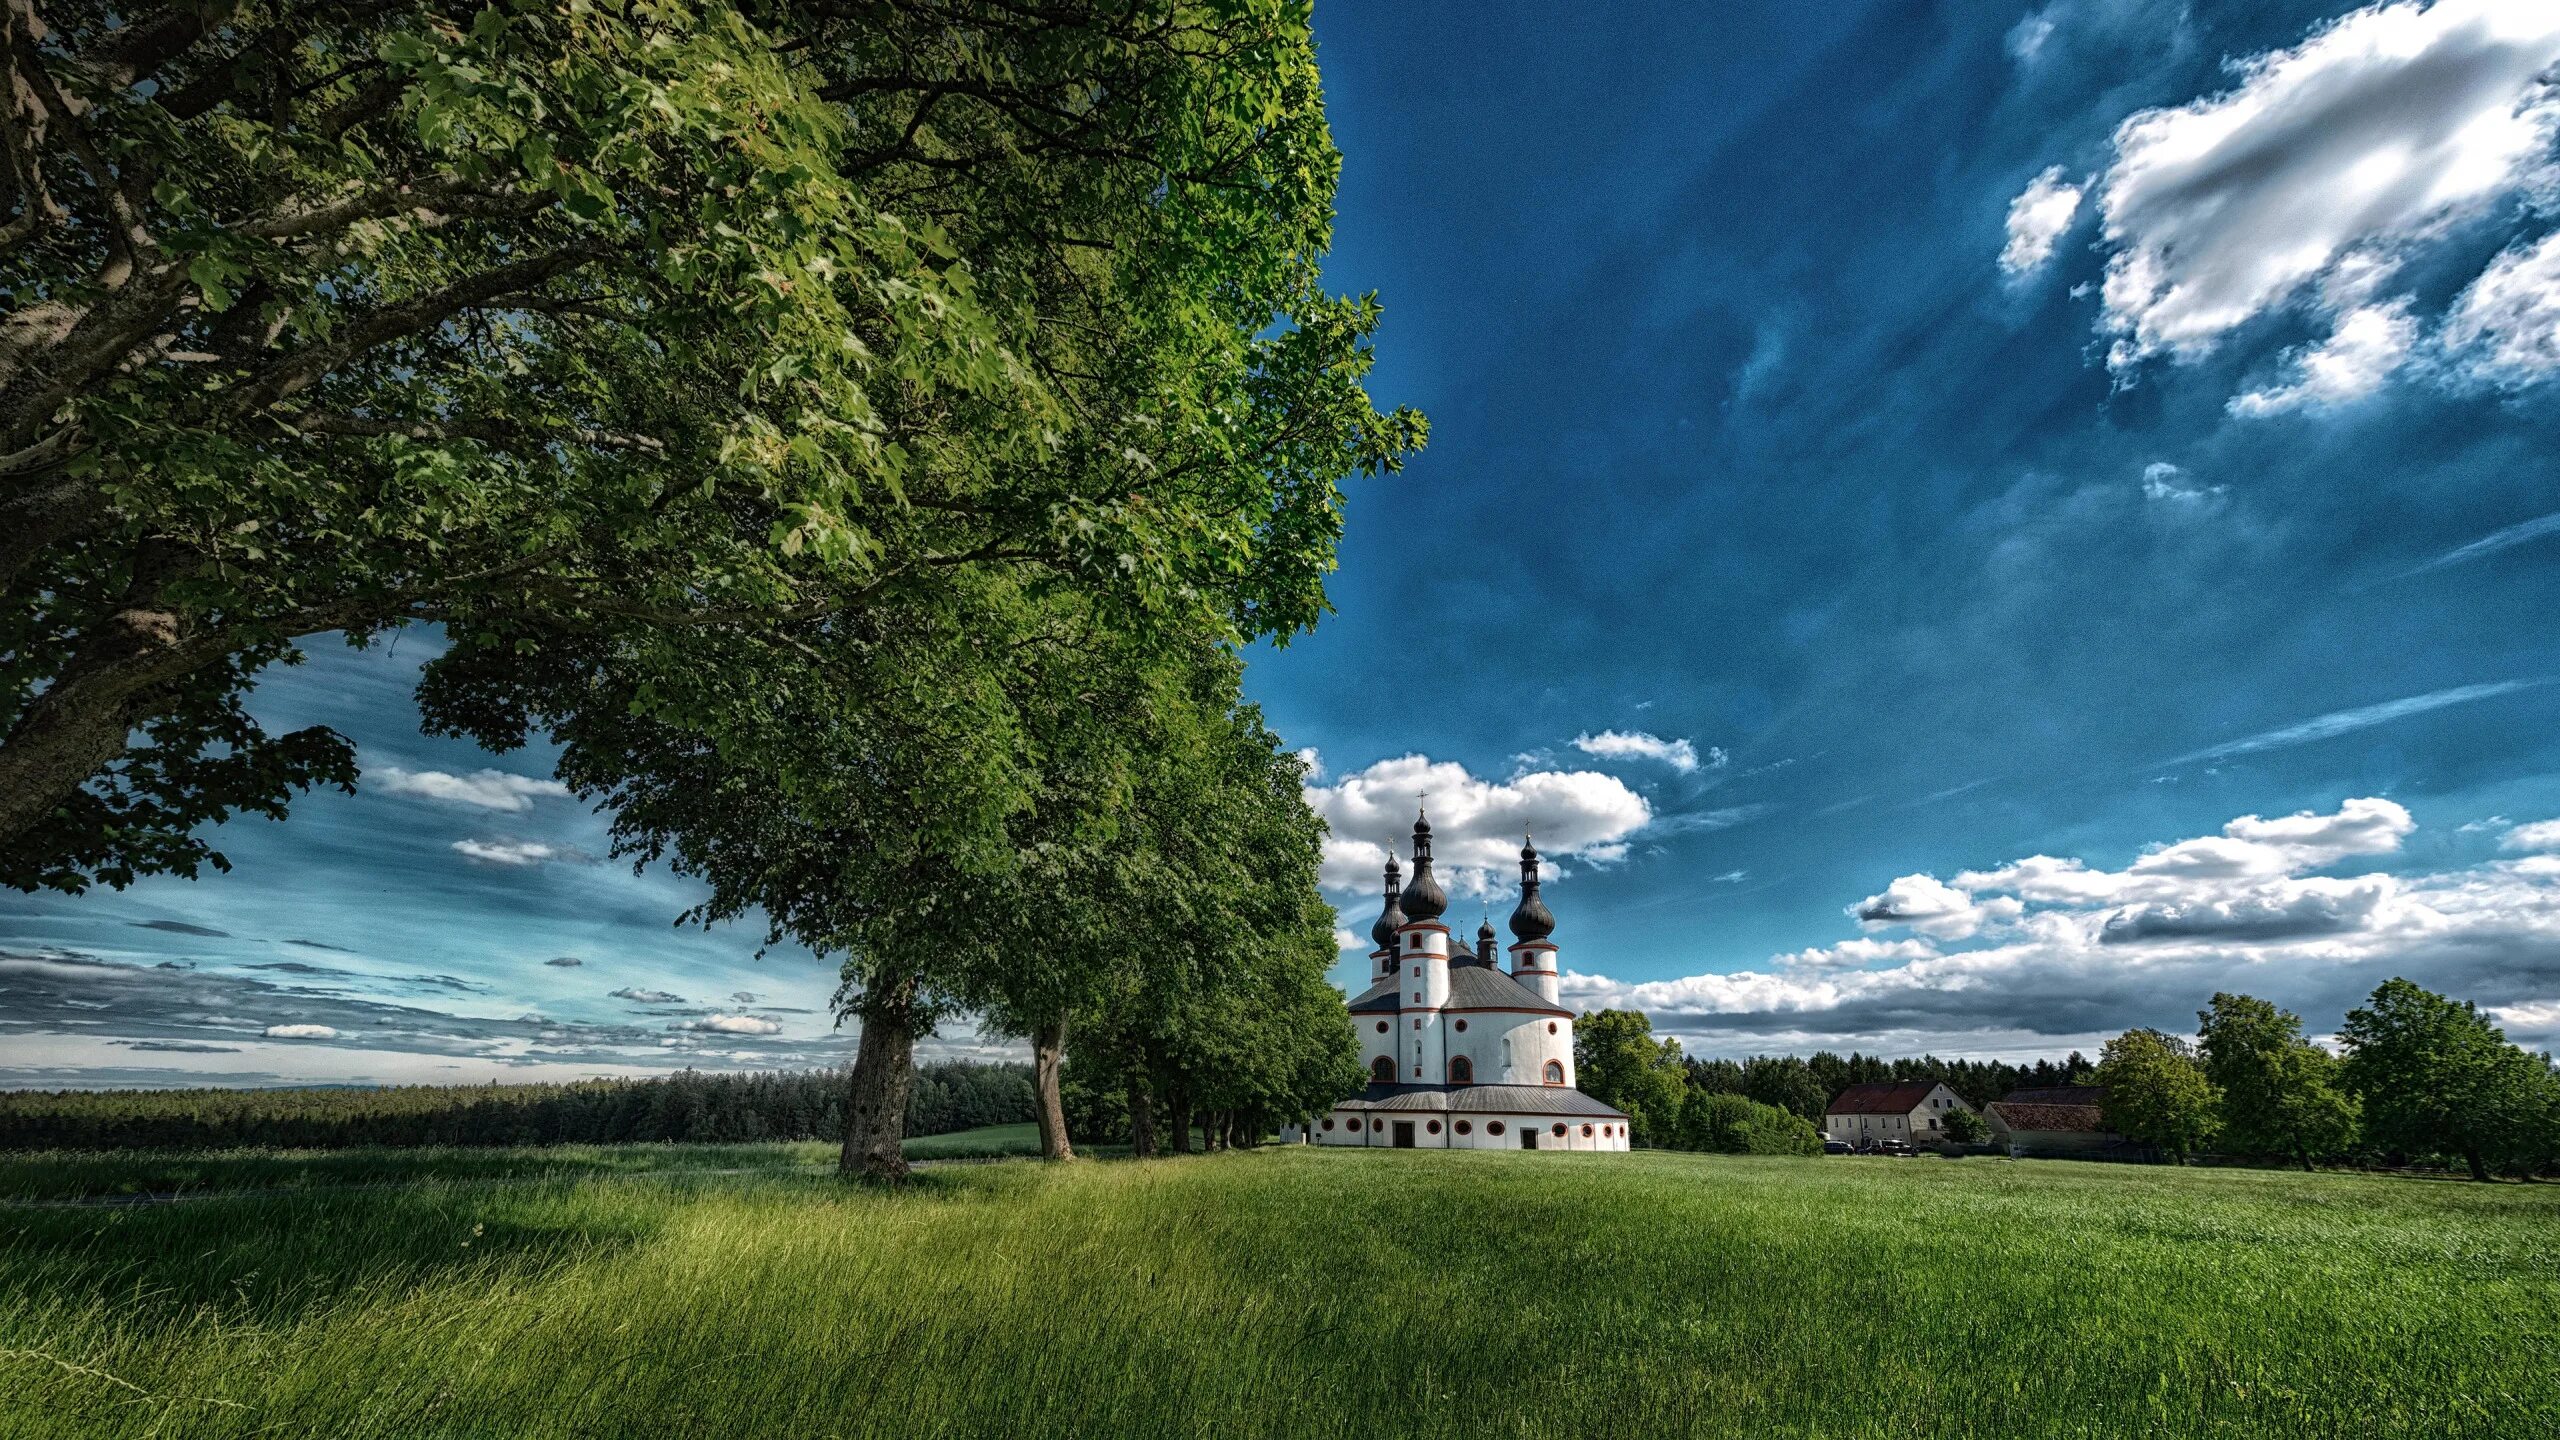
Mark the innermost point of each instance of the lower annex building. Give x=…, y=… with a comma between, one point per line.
x=1462, y=1056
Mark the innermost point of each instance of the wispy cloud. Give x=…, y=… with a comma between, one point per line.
x=481, y=789
x=2363, y=717
x=1680, y=755
x=2489, y=544
x=519, y=853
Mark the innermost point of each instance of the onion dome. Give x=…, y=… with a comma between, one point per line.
x=1484, y=942
x=1423, y=897
x=1390, y=919
x=1533, y=920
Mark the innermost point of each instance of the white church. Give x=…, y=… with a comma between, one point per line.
x=1462, y=1056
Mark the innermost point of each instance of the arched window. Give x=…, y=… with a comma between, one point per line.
x=1382, y=1070
x=1462, y=1071
x=1555, y=1072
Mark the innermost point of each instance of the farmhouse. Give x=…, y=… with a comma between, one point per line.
x=2055, y=1121
x=1462, y=1056
x=1911, y=1112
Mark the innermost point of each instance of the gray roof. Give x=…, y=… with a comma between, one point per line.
x=1482, y=1100
x=1471, y=987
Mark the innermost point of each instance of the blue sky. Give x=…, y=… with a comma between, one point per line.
x=2032, y=514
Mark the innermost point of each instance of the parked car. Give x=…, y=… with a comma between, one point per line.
x=1835, y=1147
x=1895, y=1147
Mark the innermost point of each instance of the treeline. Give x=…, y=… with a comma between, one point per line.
x=689, y=1106
x=2421, y=1080
x=863, y=440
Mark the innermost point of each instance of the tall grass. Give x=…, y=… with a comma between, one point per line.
x=1299, y=1293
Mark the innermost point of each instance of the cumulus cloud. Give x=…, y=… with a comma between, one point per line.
x=1313, y=760
x=2362, y=349
x=480, y=790
x=300, y=1032
x=2505, y=328
x=2039, y=216
x=1476, y=824
x=646, y=997
x=2540, y=835
x=1680, y=755
x=1930, y=906
x=2327, y=160
x=2090, y=951
x=518, y=854
x=732, y=1025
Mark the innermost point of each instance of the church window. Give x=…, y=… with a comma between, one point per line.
x=1559, y=1129
x=1586, y=1132
x=1551, y=1027
x=1431, y=1127
x=1462, y=1027
x=1555, y=1075
x=1417, y=972
x=1462, y=1071
x=1382, y=1027
x=1382, y=1070
x=1466, y=1128
x=1417, y=1072
x=1328, y=1124
x=1417, y=1022
x=1417, y=997
x=1493, y=1127
x=1353, y=1125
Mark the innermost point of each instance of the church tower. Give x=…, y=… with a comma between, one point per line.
x=1382, y=960
x=1533, y=958
x=1423, y=967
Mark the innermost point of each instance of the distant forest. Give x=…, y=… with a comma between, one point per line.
x=1806, y=1083
x=687, y=1106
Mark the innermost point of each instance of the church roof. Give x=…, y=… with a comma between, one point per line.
x=1471, y=987
x=1481, y=1100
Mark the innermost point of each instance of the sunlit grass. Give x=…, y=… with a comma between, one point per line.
x=1290, y=1292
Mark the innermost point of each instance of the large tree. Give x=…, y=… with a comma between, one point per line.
x=2437, y=1078
x=2280, y=1093
x=1617, y=1061
x=2157, y=1094
x=646, y=318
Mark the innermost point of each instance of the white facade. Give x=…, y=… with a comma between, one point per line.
x=1459, y=1054
x=1914, y=1113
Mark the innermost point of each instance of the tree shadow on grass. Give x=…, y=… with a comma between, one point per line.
x=271, y=1260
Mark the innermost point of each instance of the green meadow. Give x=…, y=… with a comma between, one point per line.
x=742, y=1290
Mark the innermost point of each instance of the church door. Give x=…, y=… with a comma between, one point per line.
x=1528, y=1137
x=1404, y=1134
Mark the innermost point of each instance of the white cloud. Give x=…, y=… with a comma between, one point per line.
x=2091, y=951
x=2505, y=328
x=481, y=789
x=733, y=1025
x=1314, y=762
x=2166, y=484
x=646, y=997
x=2038, y=217
x=2362, y=349
x=1476, y=824
x=517, y=852
x=1680, y=755
x=2539, y=835
x=299, y=1032
x=1343, y=939
x=2362, y=717
x=1932, y=907
x=2323, y=168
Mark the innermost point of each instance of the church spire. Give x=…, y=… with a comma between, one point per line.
x=1423, y=897
x=1532, y=920
x=1390, y=919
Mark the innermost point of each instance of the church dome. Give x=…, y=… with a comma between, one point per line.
x=1532, y=920
x=1423, y=897
x=1390, y=919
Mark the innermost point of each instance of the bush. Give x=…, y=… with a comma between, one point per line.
x=1739, y=1125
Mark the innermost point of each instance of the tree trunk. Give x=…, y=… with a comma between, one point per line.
x=1048, y=1051
x=2479, y=1167
x=1178, y=1117
x=1142, y=1118
x=884, y=1071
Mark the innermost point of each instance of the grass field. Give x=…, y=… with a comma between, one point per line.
x=1295, y=1293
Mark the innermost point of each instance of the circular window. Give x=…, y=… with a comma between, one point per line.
x=1382, y=1027
x=1493, y=1127
x=1462, y=1026
x=1466, y=1128
x=1352, y=1125
x=1586, y=1132
x=1559, y=1129
x=1431, y=1128
x=1328, y=1124
x=1551, y=1027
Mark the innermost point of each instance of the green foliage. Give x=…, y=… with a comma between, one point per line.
x=2281, y=1094
x=2437, y=1079
x=1289, y=1293
x=1736, y=1125
x=1965, y=1127
x=689, y=1107
x=1616, y=1061
x=2157, y=1094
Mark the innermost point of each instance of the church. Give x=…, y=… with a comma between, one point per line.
x=1462, y=1056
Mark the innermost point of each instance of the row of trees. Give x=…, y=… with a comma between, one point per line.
x=1676, y=1103
x=862, y=437
x=689, y=1106
x=2422, y=1079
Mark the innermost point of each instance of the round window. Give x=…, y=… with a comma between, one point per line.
x=1551, y=1027
x=1559, y=1129
x=1462, y=1027
x=1352, y=1125
x=1493, y=1127
x=1382, y=1027
x=1328, y=1124
x=1465, y=1128
x=1431, y=1127
x=1586, y=1132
